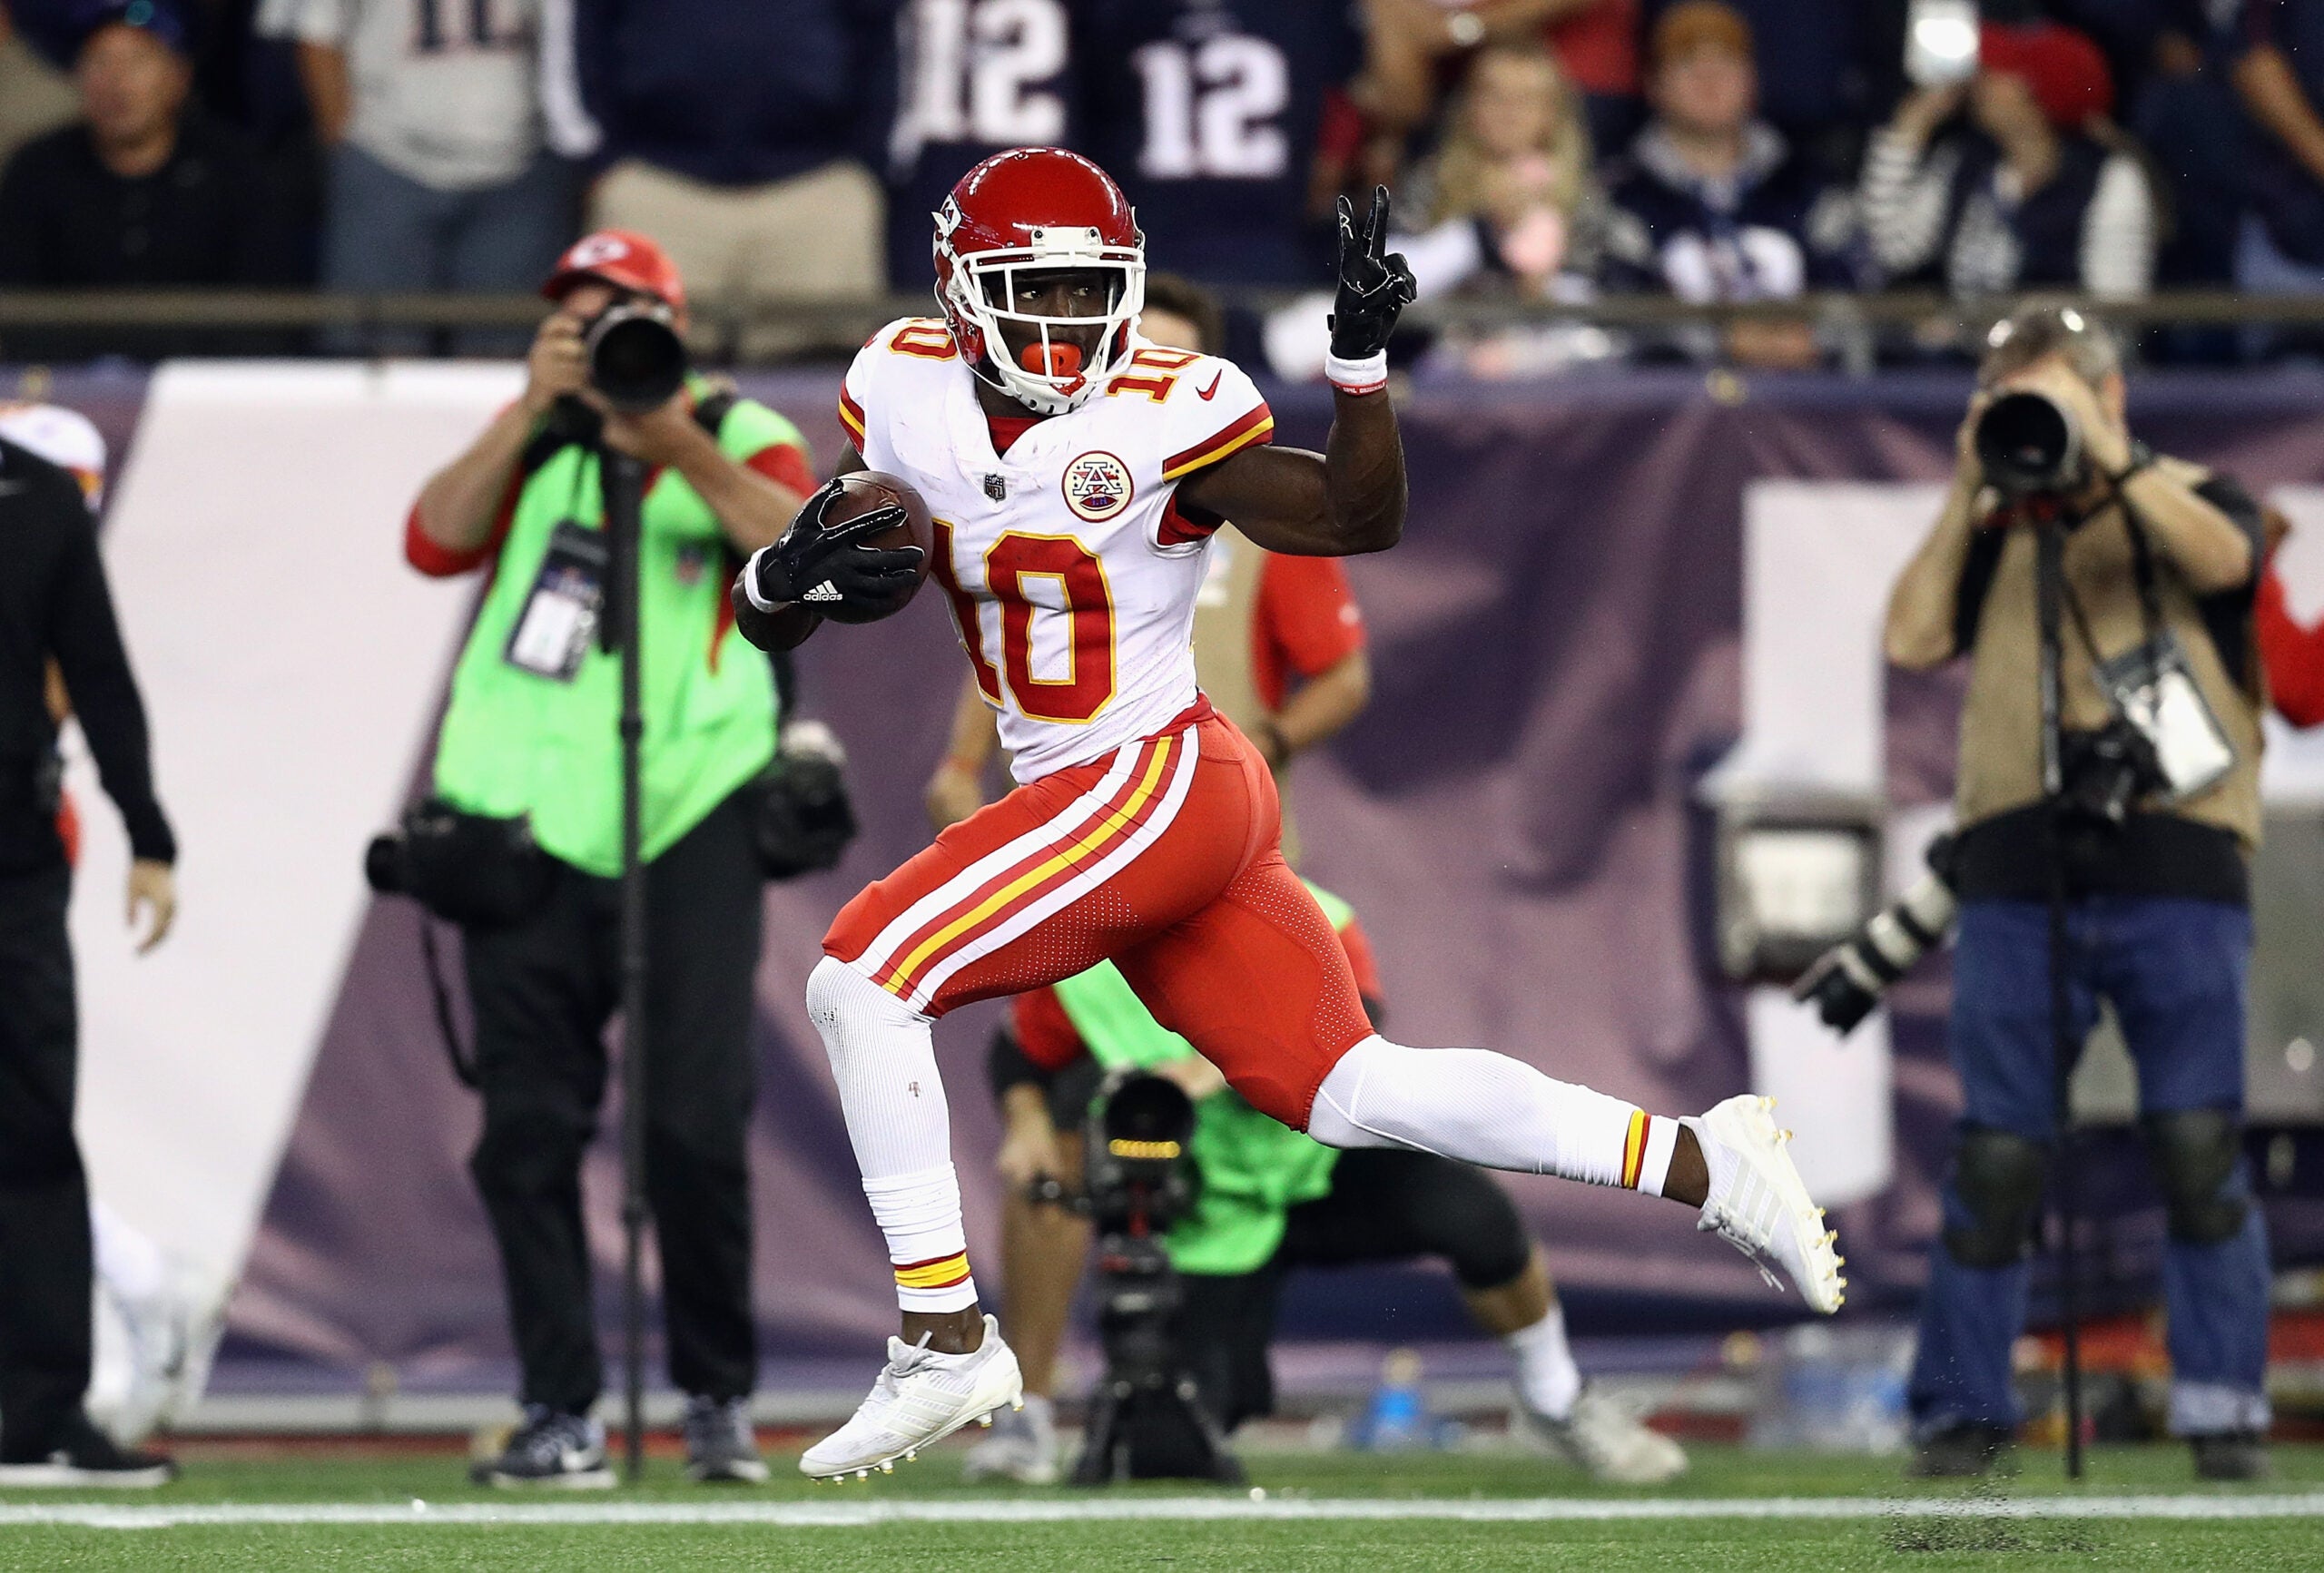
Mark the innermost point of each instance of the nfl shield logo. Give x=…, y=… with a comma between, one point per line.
x=996, y=488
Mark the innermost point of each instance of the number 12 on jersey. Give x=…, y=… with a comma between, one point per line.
x=1016, y=564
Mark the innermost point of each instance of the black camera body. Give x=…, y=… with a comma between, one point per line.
x=1135, y=1171
x=2107, y=771
x=2030, y=446
x=480, y=871
x=805, y=816
x=636, y=359
x=1147, y=1419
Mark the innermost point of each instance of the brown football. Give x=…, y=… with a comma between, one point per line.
x=860, y=494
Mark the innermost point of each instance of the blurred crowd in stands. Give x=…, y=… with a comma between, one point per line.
x=1554, y=149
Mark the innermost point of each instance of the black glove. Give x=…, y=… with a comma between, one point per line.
x=829, y=569
x=1373, y=287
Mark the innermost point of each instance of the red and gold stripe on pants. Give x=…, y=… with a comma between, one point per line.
x=1044, y=870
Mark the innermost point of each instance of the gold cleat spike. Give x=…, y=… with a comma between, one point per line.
x=1831, y=1237
x=1783, y=1136
x=1016, y=1403
x=1819, y=1215
x=887, y=1466
x=910, y=1453
x=985, y=1420
x=863, y=1474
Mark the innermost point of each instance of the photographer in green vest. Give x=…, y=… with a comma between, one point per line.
x=529, y=754
x=1269, y=1200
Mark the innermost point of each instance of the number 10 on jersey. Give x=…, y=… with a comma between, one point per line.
x=1016, y=563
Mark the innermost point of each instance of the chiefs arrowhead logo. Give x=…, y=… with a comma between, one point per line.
x=1096, y=487
x=596, y=251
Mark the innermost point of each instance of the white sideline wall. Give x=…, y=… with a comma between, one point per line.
x=290, y=662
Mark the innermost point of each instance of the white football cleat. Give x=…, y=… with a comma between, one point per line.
x=1606, y=1442
x=920, y=1398
x=1759, y=1206
x=1022, y=1447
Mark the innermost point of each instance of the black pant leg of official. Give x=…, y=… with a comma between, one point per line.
x=44, y=1248
x=703, y=905
x=542, y=992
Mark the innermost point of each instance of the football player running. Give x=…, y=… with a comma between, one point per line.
x=1075, y=474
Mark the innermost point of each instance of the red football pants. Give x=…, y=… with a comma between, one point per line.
x=1160, y=858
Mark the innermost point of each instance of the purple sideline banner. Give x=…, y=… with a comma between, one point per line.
x=1556, y=648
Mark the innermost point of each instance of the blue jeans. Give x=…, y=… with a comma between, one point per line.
x=2174, y=972
x=386, y=231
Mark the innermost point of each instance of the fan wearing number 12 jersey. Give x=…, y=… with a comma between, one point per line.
x=1075, y=475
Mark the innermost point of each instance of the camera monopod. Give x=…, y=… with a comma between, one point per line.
x=623, y=480
x=2050, y=547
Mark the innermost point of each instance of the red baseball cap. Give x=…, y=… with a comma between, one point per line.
x=624, y=259
x=2066, y=72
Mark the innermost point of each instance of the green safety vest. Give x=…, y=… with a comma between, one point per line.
x=517, y=742
x=1252, y=1169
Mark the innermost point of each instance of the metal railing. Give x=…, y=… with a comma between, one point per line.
x=741, y=331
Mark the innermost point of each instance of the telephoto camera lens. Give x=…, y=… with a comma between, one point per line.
x=636, y=359
x=1848, y=981
x=2028, y=445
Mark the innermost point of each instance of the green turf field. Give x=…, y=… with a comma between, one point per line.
x=1836, y=1514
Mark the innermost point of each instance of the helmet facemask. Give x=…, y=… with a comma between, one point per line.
x=972, y=282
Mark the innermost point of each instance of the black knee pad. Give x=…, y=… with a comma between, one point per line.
x=1476, y=1226
x=1998, y=1176
x=2194, y=1159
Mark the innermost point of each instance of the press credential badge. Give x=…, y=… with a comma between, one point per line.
x=559, y=620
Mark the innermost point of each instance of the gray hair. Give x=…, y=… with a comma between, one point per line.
x=2034, y=333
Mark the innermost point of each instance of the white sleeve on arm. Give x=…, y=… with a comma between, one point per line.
x=2117, y=233
x=1212, y=409
x=1904, y=201
x=863, y=398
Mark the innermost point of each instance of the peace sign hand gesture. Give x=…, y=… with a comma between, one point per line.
x=1374, y=284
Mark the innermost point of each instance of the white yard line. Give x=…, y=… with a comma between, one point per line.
x=1120, y=1510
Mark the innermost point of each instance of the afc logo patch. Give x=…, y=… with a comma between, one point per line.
x=1096, y=487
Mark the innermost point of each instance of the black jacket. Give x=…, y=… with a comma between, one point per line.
x=211, y=216
x=53, y=603
x=735, y=93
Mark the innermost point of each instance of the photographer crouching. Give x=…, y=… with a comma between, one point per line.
x=522, y=840
x=2109, y=764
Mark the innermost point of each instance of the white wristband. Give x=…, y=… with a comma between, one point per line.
x=750, y=583
x=1369, y=375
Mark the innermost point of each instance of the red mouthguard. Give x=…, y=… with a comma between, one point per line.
x=1063, y=360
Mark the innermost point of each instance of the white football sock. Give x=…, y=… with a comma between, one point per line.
x=883, y=1058
x=1484, y=1108
x=1547, y=1378
x=129, y=1264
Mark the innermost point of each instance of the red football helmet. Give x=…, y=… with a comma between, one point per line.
x=1037, y=208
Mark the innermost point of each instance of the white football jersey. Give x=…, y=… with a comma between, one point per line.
x=1071, y=574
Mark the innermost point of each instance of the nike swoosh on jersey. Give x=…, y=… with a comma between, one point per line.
x=1207, y=393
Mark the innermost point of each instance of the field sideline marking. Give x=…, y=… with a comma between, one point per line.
x=868, y=1515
